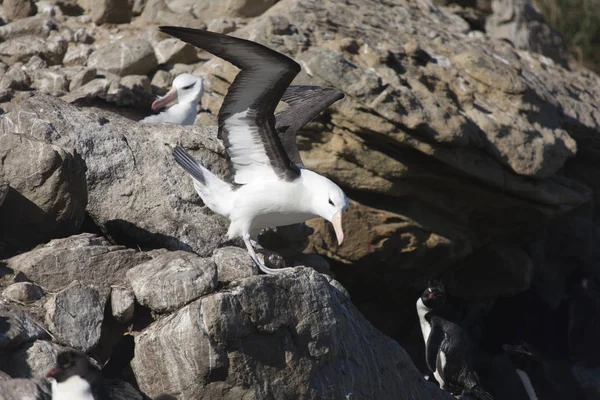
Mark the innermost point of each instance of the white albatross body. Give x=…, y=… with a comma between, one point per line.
x=187, y=89
x=271, y=187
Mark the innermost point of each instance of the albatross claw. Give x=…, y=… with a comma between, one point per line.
x=259, y=264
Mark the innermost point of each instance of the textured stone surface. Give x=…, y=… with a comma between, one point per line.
x=519, y=23
x=175, y=51
x=86, y=258
x=111, y=11
x=131, y=57
x=445, y=141
x=50, y=81
x=25, y=389
x=122, y=304
x=22, y=48
x=137, y=193
x=81, y=78
x=77, y=54
x=74, y=316
x=18, y=328
x=17, y=9
x=24, y=292
x=47, y=197
x=233, y=264
x=172, y=279
x=296, y=328
x=32, y=360
x=38, y=26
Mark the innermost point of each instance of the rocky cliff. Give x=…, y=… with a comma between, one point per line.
x=466, y=157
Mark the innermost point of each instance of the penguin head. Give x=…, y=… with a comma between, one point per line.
x=72, y=363
x=435, y=295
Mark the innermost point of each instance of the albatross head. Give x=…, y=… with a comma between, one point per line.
x=328, y=201
x=187, y=88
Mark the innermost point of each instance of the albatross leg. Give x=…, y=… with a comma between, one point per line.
x=254, y=257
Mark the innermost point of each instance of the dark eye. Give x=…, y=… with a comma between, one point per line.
x=331, y=202
x=189, y=86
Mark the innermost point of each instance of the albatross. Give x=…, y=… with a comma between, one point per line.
x=187, y=89
x=271, y=187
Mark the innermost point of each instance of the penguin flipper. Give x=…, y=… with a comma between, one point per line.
x=434, y=341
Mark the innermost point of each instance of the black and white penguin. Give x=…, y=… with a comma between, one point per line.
x=448, y=349
x=75, y=378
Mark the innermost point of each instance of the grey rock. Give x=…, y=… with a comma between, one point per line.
x=50, y=81
x=22, y=48
x=23, y=292
x=17, y=9
x=32, y=360
x=131, y=90
x=74, y=316
x=4, y=376
x=85, y=257
x=518, y=22
x=175, y=51
x=77, y=54
x=3, y=190
x=157, y=11
x=35, y=63
x=136, y=82
x=36, y=26
x=81, y=78
x=136, y=190
x=18, y=328
x=122, y=303
x=15, y=78
x=231, y=344
x=233, y=264
x=93, y=89
x=172, y=280
x=47, y=198
x=222, y=25
x=111, y=11
x=25, y=389
x=126, y=57
x=207, y=10
x=161, y=82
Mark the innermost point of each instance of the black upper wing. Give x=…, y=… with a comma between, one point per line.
x=305, y=103
x=246, y=120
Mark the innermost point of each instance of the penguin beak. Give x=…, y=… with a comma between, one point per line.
x=52, y=373
x=336, y=221
x=166, y=99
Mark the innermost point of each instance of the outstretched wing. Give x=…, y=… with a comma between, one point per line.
x=305, y=103
x=246, y=120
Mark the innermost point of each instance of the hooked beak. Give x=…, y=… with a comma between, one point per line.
x=52, y=372
x=166, y=99
x=336, y=221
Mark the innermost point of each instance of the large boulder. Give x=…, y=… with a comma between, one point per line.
x=86, y=258
x=126, y=57
x=288, y=336
x=138, y=195
x=445, y=141
x=171, y=280
x=75, y=314
x=17, y=328
x=47, y=195
x=17, y=9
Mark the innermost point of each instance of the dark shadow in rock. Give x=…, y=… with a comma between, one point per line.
x=89, y=226
x=130, y=235
x=24, y=225
x=4, y=325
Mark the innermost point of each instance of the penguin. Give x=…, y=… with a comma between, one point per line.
x=448, y=349
x=75, y=378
